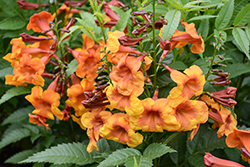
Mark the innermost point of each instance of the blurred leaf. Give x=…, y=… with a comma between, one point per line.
x=242, y=40
x=12, y=23
x=224, y=15
x=32, y=128
x=248, y=32
x=64, y=153
x=138, y=161
x=11, y=7
x=14, y=136
x=173, y=17
x=118, y=157
x=178, y=65
x=237, y=69
x=48, y=140
x=6, y=71
x=243, y=16
x=123, y=21
x=197, y=160
x=156, y=150
x=15, y=91
x=237, y=7
x=18, y=115
x=203, y=28
x=19, y=156
x=201, y=17
x=72, y=67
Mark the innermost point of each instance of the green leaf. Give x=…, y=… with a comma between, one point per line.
x=197, y=160
x=118, y=157
x=64, y=153
x=139, y=161
x=243, y=16
x=248, y=32
x=123, y=21
x=224, y=15
x=72, y=67
x=12, y=23
x=242, y=40
x=201, y=17
x=6, y=71
x=14, y=136
x=18, y=115
x=89, y=19
x=156, y=150
x=19, y=156
x=178, y=65
x=15, y=91
x=173, y=17
x=32, y=128
x=203, y=28
x=11, y=7
x=237, y=69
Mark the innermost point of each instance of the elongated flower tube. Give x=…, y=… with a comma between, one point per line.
x=212, y=161
x=118, y=129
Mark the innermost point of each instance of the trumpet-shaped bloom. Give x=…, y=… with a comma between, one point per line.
x=40, y=22
x=94, y=120
x=131, y=104
x=155, y=117
x=113, y=42
x=222, y=117
x=240, y=139
x=118, y=129
x=189, y=114
x=212, y=161
x=46, y=103
x=187, y=85
x=126, y=76
x=27, y=70
x=76, y=96
x=180, y=39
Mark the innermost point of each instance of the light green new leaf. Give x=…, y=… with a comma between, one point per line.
x=201, y=17
x=12, y=23
x=237, y=69
x=242, y=40
x=224, y=15
x=14, y=136
x=138, y=161
x=19, y=156
x=75, y=153
x=156, y=150
x=203, y=28
x=123, y=21
x=243, y=16
x=72, y=67
x=18, y=115
x=173, y=17
x=118, y=157
x=15, y=91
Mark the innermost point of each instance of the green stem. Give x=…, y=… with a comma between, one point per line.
x=211, y=64
x=172, y=4
x=171, y=137
x=154, y=46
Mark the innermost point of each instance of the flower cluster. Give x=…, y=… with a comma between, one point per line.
x=105, y=93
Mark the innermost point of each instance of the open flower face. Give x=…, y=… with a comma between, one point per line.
x=240, y=139
x=28, y=70
x=155, y=117
x=94, y=120
x=118, y=129
x=46, y=103
x=187, y=85
x=189, y=114
x=131, y=104
x=126, y=76
x=40, y=22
